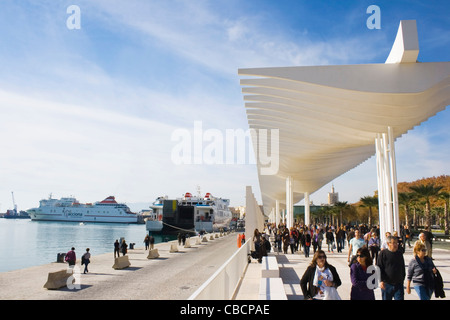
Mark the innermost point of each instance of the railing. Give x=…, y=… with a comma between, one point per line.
x=223, y=283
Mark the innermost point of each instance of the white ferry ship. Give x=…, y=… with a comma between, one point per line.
x=69, y=209
x=189, y=213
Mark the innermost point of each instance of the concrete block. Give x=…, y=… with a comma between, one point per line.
x=153, y=254
x=121, y=262
x=204, y=239
x=197, y=241
x=272, y=289
x=173, y=248
x=187, y=244
x=269, y=267
x=58, y=279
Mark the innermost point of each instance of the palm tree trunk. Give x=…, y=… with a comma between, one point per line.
x=427, y=214
x=407, y=221
x=446, y=218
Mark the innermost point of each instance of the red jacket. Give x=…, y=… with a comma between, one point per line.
x=71, y=256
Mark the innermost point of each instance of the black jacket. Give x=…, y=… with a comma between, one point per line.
x=306, y=283
x=438, y=285
x=392, y=266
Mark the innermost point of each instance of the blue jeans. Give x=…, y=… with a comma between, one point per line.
x=306, y=251
x=423, y=292
x=395, y=291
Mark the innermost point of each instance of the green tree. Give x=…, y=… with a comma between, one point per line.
x=341, y=207
x=427, y=192
x=369, y=202
x=446, y=197
x=405, y=199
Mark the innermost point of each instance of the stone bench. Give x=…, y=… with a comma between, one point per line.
x=269, y=267
x=272, y=289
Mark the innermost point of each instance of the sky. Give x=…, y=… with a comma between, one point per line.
x=93, y=93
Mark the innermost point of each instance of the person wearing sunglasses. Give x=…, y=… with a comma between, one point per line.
x=420, y=271
x=360, y=277
x=320, y=280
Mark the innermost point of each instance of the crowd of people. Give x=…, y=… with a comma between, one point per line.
x=373, y=263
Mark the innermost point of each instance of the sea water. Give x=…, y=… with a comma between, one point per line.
x=25, y=243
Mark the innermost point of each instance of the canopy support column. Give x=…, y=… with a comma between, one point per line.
x=387, y=184
x=277, y=212
x=289, y=202
x=307, y=210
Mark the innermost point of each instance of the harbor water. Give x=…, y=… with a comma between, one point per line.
x=25, y=243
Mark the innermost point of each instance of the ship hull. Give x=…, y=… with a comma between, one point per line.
x=177, y=218
x=79, y=216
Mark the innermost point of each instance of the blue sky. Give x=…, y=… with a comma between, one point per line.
x=90, y=112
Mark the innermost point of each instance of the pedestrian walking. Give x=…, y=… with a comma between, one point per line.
x=330, y=239
x=320, y=280
x=86, y=259
x=151, y=241
x=392, y=271
x=340, y=239
x=429, y=241
x=306, y=242
x=408, y=236
x=421, y=270
x=292, y=243
x=123, y=247
x=147, y=242
x=71, y=257
x=317, y=240
x=374, y=246
x=354, y=244
x=359, y=276
x=400, y=242
x=116, y=249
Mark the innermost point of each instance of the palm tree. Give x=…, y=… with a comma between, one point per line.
x=340, y=207
x=446, y=197
x=426, y=192
x=405, y=199
x=369, y=202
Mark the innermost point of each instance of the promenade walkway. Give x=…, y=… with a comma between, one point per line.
x=292, y=267
x=172, y=276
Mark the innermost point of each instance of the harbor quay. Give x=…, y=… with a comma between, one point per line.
x=171, y=276
x=177, y=275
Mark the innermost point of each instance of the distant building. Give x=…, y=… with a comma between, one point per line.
x=239, y=211
x=333, y=197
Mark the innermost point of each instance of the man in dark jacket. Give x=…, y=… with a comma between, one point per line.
x=392, y=271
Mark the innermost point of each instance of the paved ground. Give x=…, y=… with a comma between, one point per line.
x=173, y=276
x=292, y=267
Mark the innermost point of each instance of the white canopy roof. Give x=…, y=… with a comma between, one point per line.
x=328, y=116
